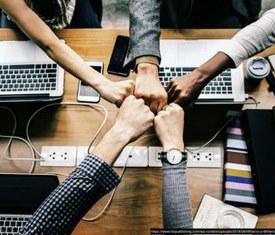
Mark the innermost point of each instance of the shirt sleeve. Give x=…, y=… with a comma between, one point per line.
x=144, y=30
x=68, y=203
x=252, y=39
x=176, y=206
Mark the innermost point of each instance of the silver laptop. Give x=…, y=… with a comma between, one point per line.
x=182, y=56
x=28, y=74
x=20, y=196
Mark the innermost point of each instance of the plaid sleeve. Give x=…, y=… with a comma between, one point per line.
x=68, y=203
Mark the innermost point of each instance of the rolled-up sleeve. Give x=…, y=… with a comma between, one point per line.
x=252, y=39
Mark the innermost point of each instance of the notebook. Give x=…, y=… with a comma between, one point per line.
x=259, y=126
x=238, y=183
x=182, y=56
x=20, y=196
x=28, y=74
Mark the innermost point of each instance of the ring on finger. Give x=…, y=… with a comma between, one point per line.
x=166, y=106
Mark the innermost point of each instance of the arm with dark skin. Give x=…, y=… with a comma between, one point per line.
x=184, y=90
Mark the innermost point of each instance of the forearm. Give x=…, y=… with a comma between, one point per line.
x=214, y=66
x=67, y=204
x=176, y=204
x=252, y=39
x=111, y=145
x=30, y=23
x=144, y=29
x=74, y=64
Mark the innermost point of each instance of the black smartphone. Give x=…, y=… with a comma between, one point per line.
x=118, y=56
x=87, y=93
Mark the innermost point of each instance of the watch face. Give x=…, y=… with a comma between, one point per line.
x=174, y=156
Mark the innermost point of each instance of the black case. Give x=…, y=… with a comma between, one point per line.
x=259, y=126
x=119, y=53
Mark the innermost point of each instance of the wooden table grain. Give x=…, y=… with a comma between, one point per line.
x=136, y=206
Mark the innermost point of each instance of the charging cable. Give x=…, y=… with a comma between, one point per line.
x=120, y=176
x=11, y=137
x=196, y=150
x=66, y=103
x=29, y=143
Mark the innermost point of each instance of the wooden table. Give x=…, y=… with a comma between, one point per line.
x=136, y=206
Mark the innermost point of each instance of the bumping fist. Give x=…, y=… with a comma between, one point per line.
x=134, y=117
x=169, y=124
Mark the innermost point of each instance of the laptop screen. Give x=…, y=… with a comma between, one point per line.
x=23, y=193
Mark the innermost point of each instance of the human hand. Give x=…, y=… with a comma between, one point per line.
x=184, y=90
x=116, y=92
x=133, y=118
x=169, y=125
x=149, y=88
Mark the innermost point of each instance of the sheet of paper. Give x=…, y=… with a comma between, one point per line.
x=214, y=213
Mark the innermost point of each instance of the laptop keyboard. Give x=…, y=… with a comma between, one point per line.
x=221, y=84
x=11, y=224
x=28, y=77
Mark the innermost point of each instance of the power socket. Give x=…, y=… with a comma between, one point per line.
x=138, y=158
x=207, y=157
x=154, y=157
x=58, y=156
x=82, y=152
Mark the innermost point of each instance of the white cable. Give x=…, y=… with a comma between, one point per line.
x=28, y=141
x=114, y=190
x=57, y=173
x=14, y=127
x=66, y=103
x=209, y=141
x=11, y=137
x=21, y=159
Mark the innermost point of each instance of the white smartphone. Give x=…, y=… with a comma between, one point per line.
x=85, y=92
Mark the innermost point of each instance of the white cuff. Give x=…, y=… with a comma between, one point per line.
x=236, y=52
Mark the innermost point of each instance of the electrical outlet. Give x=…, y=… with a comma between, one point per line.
x=138, y=157
x=154, y=159
x=58, y=156
x=207, y=157
x=82, y=152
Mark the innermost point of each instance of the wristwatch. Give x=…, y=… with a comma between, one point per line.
x=173, y=156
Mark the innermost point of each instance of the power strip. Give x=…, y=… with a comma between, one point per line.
x=82, y=152
x=140, y=156
x=58, y=156
x=207, y=157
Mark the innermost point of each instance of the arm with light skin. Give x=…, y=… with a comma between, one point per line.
x=31, y=24
x=176, y=206
x=93, y=178
x=144, y=52
x=125, y=129
x=149, y=88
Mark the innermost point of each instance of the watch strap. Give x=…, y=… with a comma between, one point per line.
x=163, y=156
